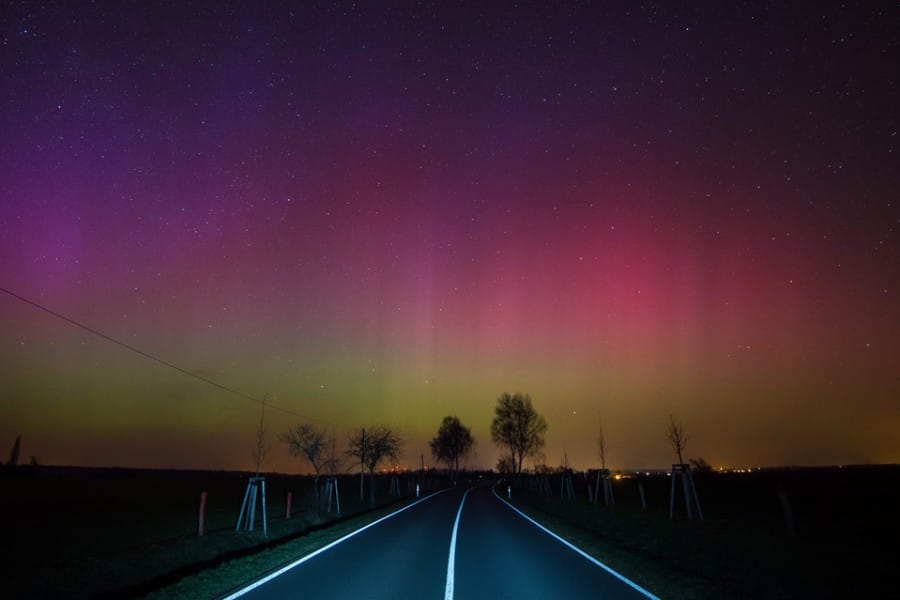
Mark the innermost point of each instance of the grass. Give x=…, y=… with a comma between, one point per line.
x=846, y=520
x=643, y=570
x=236, y=573
x=80, y=533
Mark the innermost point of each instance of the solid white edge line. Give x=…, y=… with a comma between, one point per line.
x=303, y=559
x=609, y=570
x=451, y=560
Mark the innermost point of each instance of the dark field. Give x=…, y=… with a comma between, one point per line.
x=73, y=532
x=846, y=543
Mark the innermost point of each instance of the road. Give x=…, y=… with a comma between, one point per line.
x=461, y=543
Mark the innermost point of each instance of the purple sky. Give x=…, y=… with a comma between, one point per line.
x=387, y=213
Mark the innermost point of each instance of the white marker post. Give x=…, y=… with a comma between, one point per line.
x=509, y=492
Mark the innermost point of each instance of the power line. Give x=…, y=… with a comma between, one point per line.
x=160, y=360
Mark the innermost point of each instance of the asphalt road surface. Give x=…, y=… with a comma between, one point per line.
x=462, y=543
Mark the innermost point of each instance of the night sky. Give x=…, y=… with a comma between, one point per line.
x=388, y=213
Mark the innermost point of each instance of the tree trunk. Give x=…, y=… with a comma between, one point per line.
x=14, y=453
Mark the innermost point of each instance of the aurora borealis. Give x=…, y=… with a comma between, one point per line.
x=392, y=212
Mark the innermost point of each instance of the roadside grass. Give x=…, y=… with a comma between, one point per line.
x=79, y=533
x=233, y=574
x=82, y=533
x=645, y=571
x=845, y=546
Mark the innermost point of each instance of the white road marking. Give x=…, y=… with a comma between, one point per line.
x=615, y=574
x=451, y=560
x=302, y=560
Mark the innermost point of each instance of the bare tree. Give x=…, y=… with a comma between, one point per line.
x=372, y=446
x=506, y=465
x=335, y=462
x=517, y=427
x=261, y=449
x=601, y=445
x=603, y=474
x=700, y=465
x=677, y=437
x=452, y=443
x=14, y=451
x=312, y=444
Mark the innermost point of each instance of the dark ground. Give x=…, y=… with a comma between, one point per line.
x=73, y=532
x=846, y=544
x=77, y=532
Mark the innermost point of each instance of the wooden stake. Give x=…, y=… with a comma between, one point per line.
x=264, y=520
x=691, y=500
x=786, y=509
x=694, y=494
x=672, y=495
x=201, y=521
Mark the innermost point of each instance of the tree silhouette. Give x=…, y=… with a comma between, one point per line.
x=677, y=437
x=517, y=427
x=506, y=465
x=371, y=446
x=601, y=446
x=452, y=443
x=261, y=448
x=311, y=443
x=700, y=465
x=14, y=452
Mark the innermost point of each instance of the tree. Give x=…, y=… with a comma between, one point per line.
x=452, y=443
x=312, y=444
x=14, y=452
x=677, y=437
x=335, y=462
x=372, y=446
x=506, y=465
x=261, y=449
x=700, y=465
x=601, y=445
x=517, y=427
x=603, y=475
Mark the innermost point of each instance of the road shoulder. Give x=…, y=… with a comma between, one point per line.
x=644, y=571
x=232, y=575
